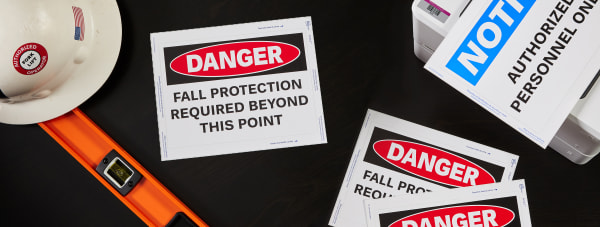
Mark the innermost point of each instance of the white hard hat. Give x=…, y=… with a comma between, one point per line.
x=54, y=55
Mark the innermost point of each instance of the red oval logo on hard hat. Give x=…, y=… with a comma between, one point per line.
x=470, y=215
x=431, y=163
x=30, y=58
x=235, y=59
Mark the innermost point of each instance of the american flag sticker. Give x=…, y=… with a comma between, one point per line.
x=79, y=23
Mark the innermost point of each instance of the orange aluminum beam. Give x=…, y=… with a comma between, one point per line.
x=88, y=144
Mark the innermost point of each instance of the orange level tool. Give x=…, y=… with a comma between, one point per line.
x=119, y=172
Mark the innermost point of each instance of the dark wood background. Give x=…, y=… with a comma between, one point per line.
x=365, y=57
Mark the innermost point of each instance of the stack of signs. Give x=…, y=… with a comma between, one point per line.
x=393, y=157
x=525, y=61
x=237, y=88
x=500, y=204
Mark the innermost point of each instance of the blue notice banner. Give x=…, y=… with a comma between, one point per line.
x=485, y=40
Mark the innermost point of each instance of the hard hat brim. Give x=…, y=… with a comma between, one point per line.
x=104, y=34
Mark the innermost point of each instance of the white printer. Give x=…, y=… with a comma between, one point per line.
x=578, y=139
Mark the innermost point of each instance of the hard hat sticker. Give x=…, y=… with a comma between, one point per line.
x=79, y=23
x=30, y=58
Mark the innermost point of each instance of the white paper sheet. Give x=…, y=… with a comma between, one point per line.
x=395, y=157
x=498, y=204
x=525, y=61
x=237, y=88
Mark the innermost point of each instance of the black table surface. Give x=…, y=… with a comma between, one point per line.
x=366, y=60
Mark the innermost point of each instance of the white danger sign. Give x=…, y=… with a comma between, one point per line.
x=394, y=157
x=237, y=88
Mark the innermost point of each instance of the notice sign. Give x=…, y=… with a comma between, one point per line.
x=525, y=61
x=393, y=157
x=237, y=88
x=499, y=204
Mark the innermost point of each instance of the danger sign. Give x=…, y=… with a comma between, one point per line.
x=394, y=158
x=498, y=204
x=243, y=91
